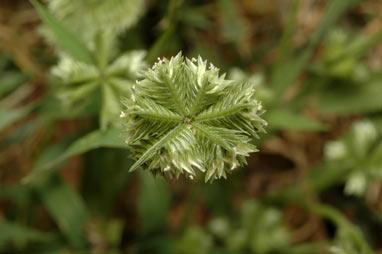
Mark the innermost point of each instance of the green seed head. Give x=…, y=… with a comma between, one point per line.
x=184, y=117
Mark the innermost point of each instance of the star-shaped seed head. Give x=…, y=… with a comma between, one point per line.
x=184, y=117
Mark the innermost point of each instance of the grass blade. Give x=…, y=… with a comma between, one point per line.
x=12, y=232
x=287, y=73
x=96, y=139
x=66, y=38
x=154, y=196
x=67, y=208
x=287, y=120
x=9, y=116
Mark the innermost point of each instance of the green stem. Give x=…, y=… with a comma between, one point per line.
x=171, y=20
x=341, y=222
x=284, y=47
x=195, y=191
x=159, y=44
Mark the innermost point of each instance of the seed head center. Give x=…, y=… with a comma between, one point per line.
x=187, y=119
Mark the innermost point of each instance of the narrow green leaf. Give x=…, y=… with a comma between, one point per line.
x=197, y=240
x=365, y=98
x=16, y=193
x=362, y=45
x=286, y=73
x=10, y=80
x=103, y=49
x=233, y=29
x=345, y=229
x=52, y=108
x=101, y=164
x=192, y=17
x=159, y=44
x=67, y=208
x=78, y=93
x=284, y=47
x=154, y=196
x=311, y=248
x=66, y=38
x=4, y=60
x=9, y=116
x=377, y=120
x=287, y=120
x=12, y=232
x=111, y=107
x=111, y=138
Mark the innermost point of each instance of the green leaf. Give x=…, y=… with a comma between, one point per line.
x=311, y=248
x=345, y=100
x=111, y=107
x=96, y=139
x=194, y=240
x=66, y=38
x=264, y=229
x=9, y=116
x=377, y=120
x=67, y=208
x=363, y=44
x=194, y=18
x=279, y=119
x=159, y=44
x=78, y=93
x=348, y=236
x=4, y=60
x=12, y=232
x=16, y=193
x=284, y=46
x=171, y=19
x=53, y=108
x=286, y=73
x=10, y=80
x=233, y=29
x=154, y=196
x=70, y=71
x=101, y=164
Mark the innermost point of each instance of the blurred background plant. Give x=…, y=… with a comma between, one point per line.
x=314, y=187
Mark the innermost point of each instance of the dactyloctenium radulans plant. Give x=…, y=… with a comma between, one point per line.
x=183, y=116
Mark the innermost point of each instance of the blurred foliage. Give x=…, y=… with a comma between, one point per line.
x=88, y=17
x=361, y=152
x=314, y=187
x=260, y=230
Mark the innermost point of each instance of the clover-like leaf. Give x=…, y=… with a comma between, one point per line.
x=184, y=117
